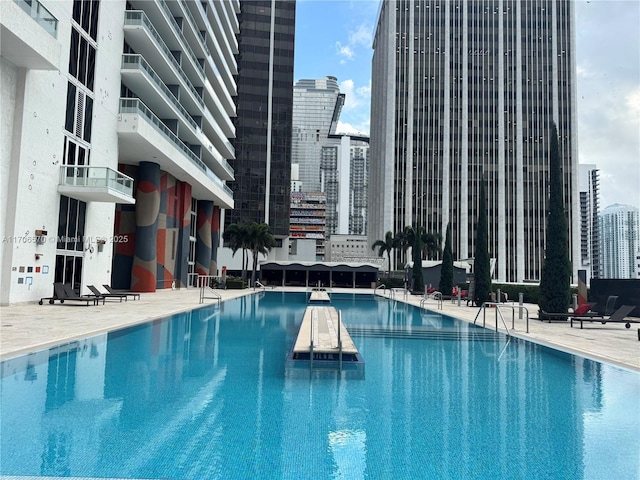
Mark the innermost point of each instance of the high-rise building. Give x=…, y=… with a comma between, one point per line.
x=620, y=240
x=264, y=108
x=116, y=119
x=317, y=104
x=334, y=163
x=465, y=92
x=589, y=185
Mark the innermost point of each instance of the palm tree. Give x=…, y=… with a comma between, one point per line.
x=431, y=243
x=236, y=235
x=260, y=240
x=385, y=246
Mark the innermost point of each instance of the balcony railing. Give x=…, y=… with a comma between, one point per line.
x=41, y=15
x=135, y=17
x=137, y=62
x=134, y=105
x=100, y=182
x=179, y=35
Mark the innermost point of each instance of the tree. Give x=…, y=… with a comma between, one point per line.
x=431, y=245
x=555, y=282
x=260, y=240
x=482, y=264
x=413, y=236
x=446, y=269
x=385, y=246
x=237, y=235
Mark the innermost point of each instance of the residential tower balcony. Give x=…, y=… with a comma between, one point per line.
x=138, y=75
x=142, y=136
x=24, y=43
x=95, y=184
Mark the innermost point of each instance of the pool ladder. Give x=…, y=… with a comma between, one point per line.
x=206, y=292
x=498, y=313
x=437, y=296
x=383, y=287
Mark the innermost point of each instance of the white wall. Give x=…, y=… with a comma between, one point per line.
x=32, y=121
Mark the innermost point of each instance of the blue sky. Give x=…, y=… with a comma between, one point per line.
x=334, y=37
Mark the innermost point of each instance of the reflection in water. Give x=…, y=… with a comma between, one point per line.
x=203, y=395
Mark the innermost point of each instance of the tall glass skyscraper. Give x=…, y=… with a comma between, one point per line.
x=620, y=240
x=465, y=90
x=263, y=123
x=330, y=162
x=317, y=104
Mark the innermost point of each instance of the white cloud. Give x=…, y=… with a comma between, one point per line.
x=363, y=36
x=609, y=96
x=345, y=52
x=356, y=110
x=348, y=129
x=355, y=97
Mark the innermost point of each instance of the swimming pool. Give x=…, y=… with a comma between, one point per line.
x=205, y=395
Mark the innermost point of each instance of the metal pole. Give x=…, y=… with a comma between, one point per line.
x=520, y=302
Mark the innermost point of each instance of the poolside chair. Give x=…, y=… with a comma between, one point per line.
x=619, y=316
x=585, y=310
x=136, y=296
x=97, y=293
x=65, y=293
x=51, y=299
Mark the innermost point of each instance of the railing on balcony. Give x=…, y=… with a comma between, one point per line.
x=88, y=176
x=179, y=35
x=136, y=17
x=41, y=15
x=134, y=105
x=137, y=62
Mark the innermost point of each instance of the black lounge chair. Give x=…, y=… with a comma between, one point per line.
x=97, y=293
x=618, y=316
x=136, y=296
x=65, y=293
x=51, y=299
x=595, y=311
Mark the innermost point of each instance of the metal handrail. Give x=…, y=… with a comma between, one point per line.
x=314, y=313
x=259, y=285
x=340, y=338
x=432, y=296
x=483, y=309
x=203, y=283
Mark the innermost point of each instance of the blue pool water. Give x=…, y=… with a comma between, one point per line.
x=205, y=395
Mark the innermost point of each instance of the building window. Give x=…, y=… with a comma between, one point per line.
x=71, y=221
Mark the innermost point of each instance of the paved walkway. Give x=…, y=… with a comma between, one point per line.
x=30, y=327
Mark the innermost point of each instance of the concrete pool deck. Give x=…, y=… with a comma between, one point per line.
x=31, y=327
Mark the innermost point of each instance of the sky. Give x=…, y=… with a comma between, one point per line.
x=334, y=37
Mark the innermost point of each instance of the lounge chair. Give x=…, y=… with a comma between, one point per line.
x=618, y=316
x=51, y=299
x=593, y=310
x=65, y=293
x=136, y=296
x=97, y=293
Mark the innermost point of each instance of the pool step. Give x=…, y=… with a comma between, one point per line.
x=426, y=333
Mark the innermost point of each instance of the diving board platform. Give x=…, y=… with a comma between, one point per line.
x=319, y=341
x=319, y=296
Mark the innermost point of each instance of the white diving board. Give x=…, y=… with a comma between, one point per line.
x=324, y=322
x=319, y=296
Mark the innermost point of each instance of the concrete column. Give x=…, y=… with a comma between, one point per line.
x=182, y=248
x=145, y=264
x=215, y=240
x=203, y=237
